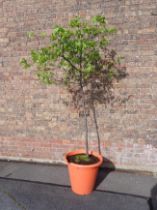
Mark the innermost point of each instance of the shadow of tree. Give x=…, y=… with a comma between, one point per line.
x=98, y=88
x=153, y=200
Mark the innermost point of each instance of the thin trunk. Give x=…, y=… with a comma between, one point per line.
x=97, y=129
x=84, y=103
x=85, y=123
x=84, y=115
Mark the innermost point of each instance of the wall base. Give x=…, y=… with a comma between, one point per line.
x=133, y=168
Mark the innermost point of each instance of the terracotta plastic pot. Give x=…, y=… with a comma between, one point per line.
x=83, y=177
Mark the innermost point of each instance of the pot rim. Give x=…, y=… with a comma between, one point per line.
x=74, y=152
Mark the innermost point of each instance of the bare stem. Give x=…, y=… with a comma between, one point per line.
x=84, y=102
x=85, y=116
x=86, y=123
x=97, y=128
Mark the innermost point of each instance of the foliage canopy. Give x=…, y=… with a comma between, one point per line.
x=79, y=58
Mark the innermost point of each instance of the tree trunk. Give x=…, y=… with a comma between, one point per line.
x=85, y=122
x=97, y=128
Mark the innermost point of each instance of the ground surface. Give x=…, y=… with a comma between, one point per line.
x=21, y=195
x=47, y=188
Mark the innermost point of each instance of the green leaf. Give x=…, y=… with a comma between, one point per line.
x=30, y=34
x=35, y=56
x=110, y=74
x=112, y=30
x=25, y=63
x=76, y=22
x=104, y=42
x=99, y=19
x=88, y=71
x=58, y=30
x=82, y=157
x=45, y=76
x=43, y=34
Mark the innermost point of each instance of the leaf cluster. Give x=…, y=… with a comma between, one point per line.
x=77, y=56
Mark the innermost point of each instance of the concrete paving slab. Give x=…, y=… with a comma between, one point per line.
x=115, y=181
x=135, y=184
x=22, y=195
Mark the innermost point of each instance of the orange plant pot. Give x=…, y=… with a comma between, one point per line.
x=83, y=177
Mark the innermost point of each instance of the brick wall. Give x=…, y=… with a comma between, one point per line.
x=36, y=124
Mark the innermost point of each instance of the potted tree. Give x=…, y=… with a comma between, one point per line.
x=79, y=59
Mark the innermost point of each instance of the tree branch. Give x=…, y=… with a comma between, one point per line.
x=72, y=65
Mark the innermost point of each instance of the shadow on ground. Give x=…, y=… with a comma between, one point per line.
x=104, y=171
x=153, y=200
x=26, y=195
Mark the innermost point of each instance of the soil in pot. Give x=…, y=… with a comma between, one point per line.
x=83, y=159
